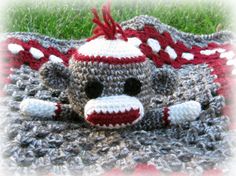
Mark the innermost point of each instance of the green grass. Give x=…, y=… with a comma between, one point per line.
x=72, y=20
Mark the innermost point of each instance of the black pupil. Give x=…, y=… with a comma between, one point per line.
x=132, y=86
x=93, y=89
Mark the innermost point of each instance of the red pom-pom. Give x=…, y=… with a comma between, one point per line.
x=109, y=28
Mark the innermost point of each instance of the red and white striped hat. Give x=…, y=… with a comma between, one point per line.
x=109, y=43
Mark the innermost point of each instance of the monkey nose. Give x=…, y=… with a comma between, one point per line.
x=113, y=111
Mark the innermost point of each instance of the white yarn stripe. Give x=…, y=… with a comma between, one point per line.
x=14, y=48
x=234, y=72
x=109, y=48
x=220, y=50
x=38, y=108
x=154, y=44
x=54, y=58
x=171, y=52
x=228, y=55
x=207, y=52
x=213, y=51
x=36, y=53
x=134, y=41
x=188, y=56
x=231, y=62
x=113, y=104
x=187, y=111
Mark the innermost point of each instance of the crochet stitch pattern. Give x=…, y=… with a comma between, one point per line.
x=108, y=82
x=178, y=73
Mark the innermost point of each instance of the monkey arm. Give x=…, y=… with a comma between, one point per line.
x=175, y=114
x=46, y=110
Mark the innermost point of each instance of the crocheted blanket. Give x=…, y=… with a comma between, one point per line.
x=206, y=67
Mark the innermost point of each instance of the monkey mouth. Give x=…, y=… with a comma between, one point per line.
x=113, y=111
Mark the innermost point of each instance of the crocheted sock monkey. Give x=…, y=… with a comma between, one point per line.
x=110, y=83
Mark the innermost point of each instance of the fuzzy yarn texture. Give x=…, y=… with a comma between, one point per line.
x=205, y=68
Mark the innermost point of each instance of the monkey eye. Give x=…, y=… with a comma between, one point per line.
x=93, y=89
x=132, y=86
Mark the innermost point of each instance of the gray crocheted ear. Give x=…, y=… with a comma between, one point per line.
x=55, y=75
x=165, y=81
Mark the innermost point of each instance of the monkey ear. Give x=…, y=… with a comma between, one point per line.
x=55, y=75
x=165, y=81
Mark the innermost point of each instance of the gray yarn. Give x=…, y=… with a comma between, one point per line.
x=112, y=76
x=74, y=148
x=61, y=45
x=58, y=72
x=75, y=145
x=189, y=39
x=165, y=81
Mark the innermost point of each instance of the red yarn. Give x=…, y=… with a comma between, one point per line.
x=165, y=57
x=108, y=60
x=113, y=118
x=157, y=60
x=166, y=116
x=114, y=172
x=146, y=49
x=168, y=38
x=57, y=112
x=145, y=170
x=109, y=28
x=9, y=60
x=139, y=170
x=213, y=172
x=214, y=61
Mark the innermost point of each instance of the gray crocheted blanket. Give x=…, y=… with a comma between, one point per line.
x=205, y=66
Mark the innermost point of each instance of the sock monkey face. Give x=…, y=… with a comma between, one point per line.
x=104, y=94
x=109, y=95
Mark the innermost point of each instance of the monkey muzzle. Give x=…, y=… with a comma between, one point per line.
x=113, y=111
